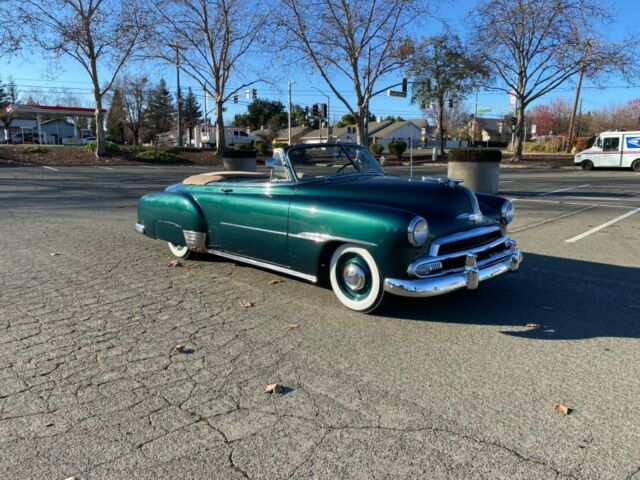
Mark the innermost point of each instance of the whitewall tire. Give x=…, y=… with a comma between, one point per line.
x=355, y=278
x=178, y=251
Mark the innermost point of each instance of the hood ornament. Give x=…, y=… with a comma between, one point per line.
x=450, y=182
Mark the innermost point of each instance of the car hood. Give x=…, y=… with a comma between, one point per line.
x=445, y=207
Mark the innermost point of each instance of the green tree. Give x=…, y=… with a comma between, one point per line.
x=443, y=74
x=190, y=113
x=116, y=118
x=350, y=119
x=263, y=113
x=161, y=109
x=8, y=95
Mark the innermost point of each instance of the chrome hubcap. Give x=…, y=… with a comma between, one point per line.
x=354, y=277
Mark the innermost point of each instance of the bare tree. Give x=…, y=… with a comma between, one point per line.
x=209, y=39
x=135, y=99
x=99, y=34
x=361, y=41
x=535, y=46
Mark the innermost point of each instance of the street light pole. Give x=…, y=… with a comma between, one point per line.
x=178, y=120
x=289, y=129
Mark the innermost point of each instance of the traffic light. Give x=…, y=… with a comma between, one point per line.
x=513, y=122
x=235, y=99
x=306, y=110
x=254, y=93
x=404, y=85
x=314, y=110
x=451, y=103
x=324, y=110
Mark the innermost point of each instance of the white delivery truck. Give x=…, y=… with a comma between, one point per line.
x=612, y=149
x=233, y=136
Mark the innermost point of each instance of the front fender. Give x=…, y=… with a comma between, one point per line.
x=167, y=215
x=381, y=230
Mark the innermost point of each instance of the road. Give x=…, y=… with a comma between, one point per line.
x=450, y=387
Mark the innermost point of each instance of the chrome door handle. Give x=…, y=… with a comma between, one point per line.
x=226, y=190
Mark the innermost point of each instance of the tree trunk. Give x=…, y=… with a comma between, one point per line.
x=362, y=126
x=220, y=138
x=441, y=126
x=99, y=115
x=519, y=133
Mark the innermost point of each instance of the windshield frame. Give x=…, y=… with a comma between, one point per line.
x=376, y=165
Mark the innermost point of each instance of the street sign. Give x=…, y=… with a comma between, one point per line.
x=484, y=110
x=393, y=93
x=534, y=129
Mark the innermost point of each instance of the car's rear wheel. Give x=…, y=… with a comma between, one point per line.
x=587, y=165
x=355, y=278
x=179, y=251
x=635, y=166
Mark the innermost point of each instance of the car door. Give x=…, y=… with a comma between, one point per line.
x=611, y=153
x=249, y=218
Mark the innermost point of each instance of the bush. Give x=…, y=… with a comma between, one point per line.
x=376, y=149
x=261, y=147
x=243, y=147
x=156, y=155
x=110, y=147
x=240, y=153
x=34, y=149
x=397, y=148
x=474, y=155
x=280, y=144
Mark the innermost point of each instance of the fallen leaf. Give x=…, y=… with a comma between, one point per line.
x=275, y=281
x=174, y=263
x=273, y=388
x=192, y=265
x=533, y=325
x=246, y=304
x=180, y=347
x=54, y=254
x=562, y=408
x=291, y=326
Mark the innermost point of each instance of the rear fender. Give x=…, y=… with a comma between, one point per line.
x=168, y=215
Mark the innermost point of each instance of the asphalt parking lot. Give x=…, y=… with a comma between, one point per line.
x=450, y=387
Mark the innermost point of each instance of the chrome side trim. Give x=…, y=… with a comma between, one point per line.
x=476, y=232
x=323, y=237
x=469, y=278
x=413, y=268
x=139, y=227
x=196, y=241
x=270, y=266
x=265, y=230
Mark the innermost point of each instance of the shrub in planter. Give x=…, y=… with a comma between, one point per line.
x=397, y=148
x=240, y=159
x=110, y=147
x=478, y=167
x=376, y=149
x=280, y=144
x=261, y=147
x=243, y=147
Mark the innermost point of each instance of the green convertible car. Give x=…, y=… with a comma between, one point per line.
x=330, y=211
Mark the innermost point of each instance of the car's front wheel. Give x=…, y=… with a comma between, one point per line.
x=587, y=165
x=635, y=166
x=355, y=278
x=179, y=251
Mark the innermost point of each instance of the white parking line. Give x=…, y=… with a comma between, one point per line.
x=148, y=166
x=507, y=181
x=563, y=190
x=600, y=227
x=50, y=168
x=562, y=202
x=104, y=168
x=552, y=219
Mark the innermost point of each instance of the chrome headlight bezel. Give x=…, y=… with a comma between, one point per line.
x=418, y=231
x=507, y=212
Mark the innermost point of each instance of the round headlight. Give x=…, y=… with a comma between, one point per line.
x=418, y=231
x=508, y=211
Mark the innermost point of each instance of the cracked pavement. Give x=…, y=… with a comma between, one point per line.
x=451, y=387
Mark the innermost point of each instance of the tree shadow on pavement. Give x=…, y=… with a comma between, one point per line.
x=569, y=299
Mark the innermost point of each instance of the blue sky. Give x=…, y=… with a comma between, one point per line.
x=37, y=72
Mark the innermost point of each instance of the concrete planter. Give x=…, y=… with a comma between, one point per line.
x=239, y=164
x=483, y=177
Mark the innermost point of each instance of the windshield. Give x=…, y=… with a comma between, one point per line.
x=324, y=161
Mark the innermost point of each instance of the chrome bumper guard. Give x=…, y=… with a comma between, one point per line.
x=469, y=277
x=139, y=227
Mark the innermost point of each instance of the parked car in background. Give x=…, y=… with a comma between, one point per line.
x=330, y=211
x=87, y=140
x=612, y=149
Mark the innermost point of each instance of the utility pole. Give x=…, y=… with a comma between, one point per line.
x=475, y=121
x=579, y=119
x=178, y=120
x=575, y=107
x=289, y=116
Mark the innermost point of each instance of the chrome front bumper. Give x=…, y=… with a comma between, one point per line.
x=139, y=227
x=468, y=278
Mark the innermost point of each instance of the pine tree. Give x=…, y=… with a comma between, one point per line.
x=161, y=110
x=116, y=118
x=190, y=112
